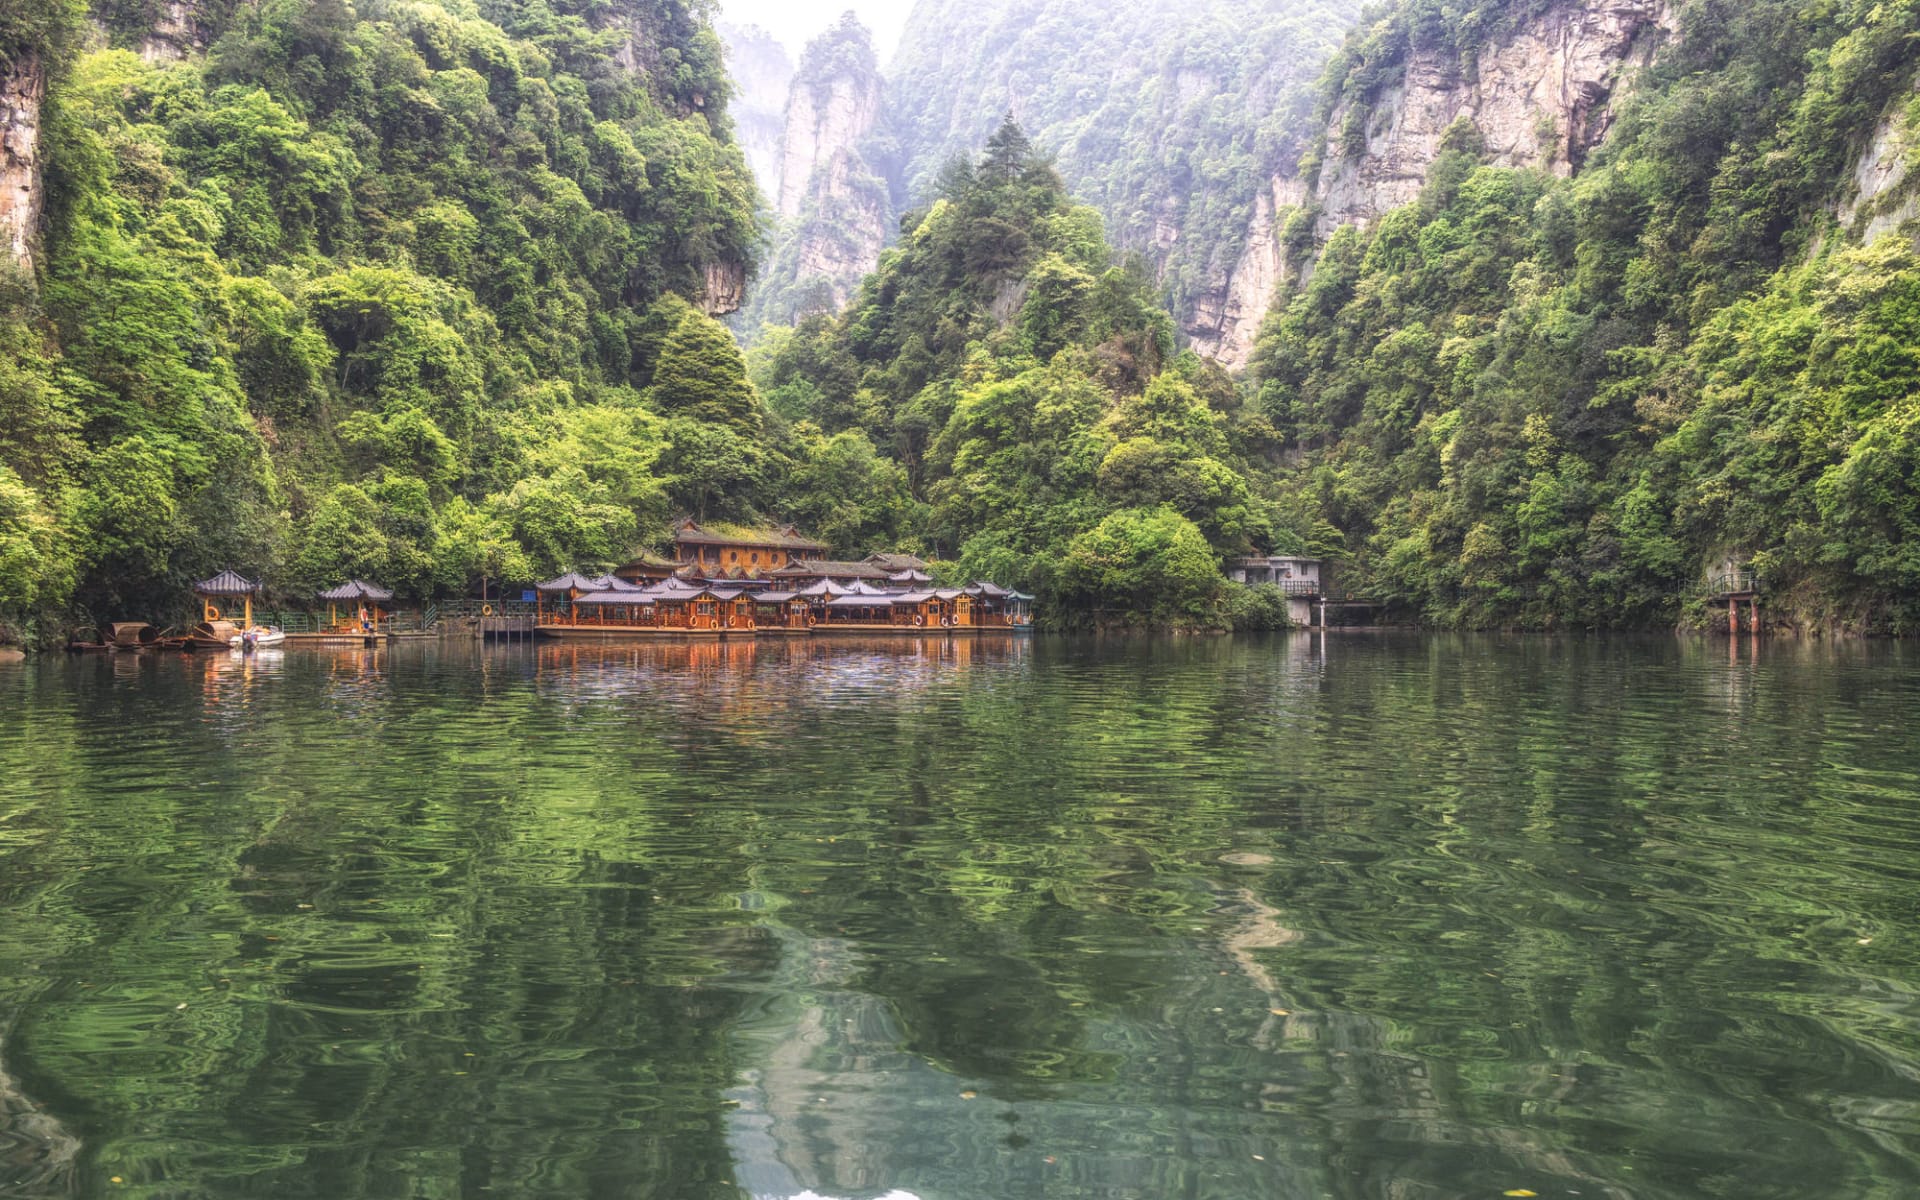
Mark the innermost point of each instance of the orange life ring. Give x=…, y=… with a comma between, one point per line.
x=213, y=612
x=486, y=610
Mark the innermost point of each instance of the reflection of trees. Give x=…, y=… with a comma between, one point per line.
x=1399, y=920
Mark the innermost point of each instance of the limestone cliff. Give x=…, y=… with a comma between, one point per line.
x=177, y=32
x=833, y=106
x=762, y=73
x=1883, y=193
x=1542, y=96
x=23, y=89
x=835, y=198
x=723, y=289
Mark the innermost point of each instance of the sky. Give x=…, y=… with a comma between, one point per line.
x=796, y=21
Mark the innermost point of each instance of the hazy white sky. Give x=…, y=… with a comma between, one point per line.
x=795, y=21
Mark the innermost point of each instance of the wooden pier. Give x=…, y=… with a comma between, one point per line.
x=499, y=628
x=1735, y=588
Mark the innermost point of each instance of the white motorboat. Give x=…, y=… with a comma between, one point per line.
x=258, y=638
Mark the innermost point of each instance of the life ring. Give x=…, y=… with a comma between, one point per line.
x=946, y=622
x=213, y=612
x=729, y=622
x=486, y=610
x=919, y=621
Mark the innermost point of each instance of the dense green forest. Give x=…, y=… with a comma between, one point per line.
x=1563, y=403
x=399, y=290
x=1029, y=388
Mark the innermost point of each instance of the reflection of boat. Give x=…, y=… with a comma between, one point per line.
x=213, y=635
x=260, y=637
x=129, y=635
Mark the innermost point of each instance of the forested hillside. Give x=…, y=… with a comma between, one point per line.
x=1564, y=401
x=1031, y=390
x=401, y=290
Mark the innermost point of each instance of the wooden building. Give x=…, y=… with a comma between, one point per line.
x=719, y=552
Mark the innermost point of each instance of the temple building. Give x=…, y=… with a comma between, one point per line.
x=720, y=552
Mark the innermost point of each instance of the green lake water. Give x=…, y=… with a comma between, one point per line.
x=1360, y=916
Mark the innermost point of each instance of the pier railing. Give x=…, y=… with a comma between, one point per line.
x=1732, y=583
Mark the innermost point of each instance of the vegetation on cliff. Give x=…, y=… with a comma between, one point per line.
x=1546, y=402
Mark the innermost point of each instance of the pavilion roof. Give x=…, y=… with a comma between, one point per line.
x=572, y=581
x=610, y=583
x=910, y=577
x=807, y=567
x=898, y=562
x=776, y=597
x=226, y=583
x=358, y=589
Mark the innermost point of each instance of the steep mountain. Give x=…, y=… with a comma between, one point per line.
x=1589, y=299
x=835, y=203
x=762, y=73
x=314, y=289
x=1170, y=119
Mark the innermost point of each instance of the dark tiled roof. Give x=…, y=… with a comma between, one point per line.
x=358, y=589
x=807, y=567
x=689, y=533
x=898, y=562
x=226, y=583
x=610, y=583
x=776, y=597
x=572, y=581
x=991, y=590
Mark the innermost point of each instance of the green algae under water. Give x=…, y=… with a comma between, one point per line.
x=1398, y=916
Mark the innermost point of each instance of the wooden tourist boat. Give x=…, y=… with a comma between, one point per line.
x=212, y=635
x=130, y=635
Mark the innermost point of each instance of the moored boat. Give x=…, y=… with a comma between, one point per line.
x=130, y=635
x=213, y=635
x=260, y=637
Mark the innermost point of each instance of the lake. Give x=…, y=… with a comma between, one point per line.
x=1363, y=915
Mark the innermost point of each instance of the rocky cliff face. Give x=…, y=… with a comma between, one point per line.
x=762, y=72
x=1543, y=96
x=177, y=32
x=1883, y=193
x=23, y=89
x=827, y=120
x=724, y=289
x=834, y=201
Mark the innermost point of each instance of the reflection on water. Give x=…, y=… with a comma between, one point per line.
x=1367, y=916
